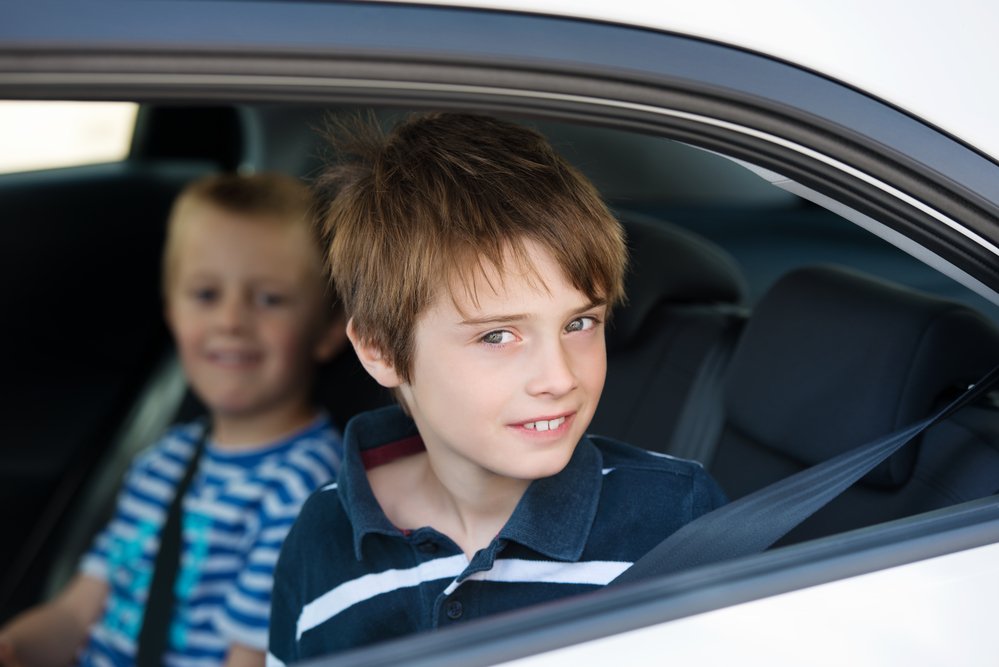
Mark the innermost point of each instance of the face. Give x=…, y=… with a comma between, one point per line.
x=506, y=385
x=245, y=306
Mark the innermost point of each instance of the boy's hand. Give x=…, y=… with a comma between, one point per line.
x=242, y=656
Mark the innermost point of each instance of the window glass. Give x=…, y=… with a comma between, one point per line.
x=43, y=135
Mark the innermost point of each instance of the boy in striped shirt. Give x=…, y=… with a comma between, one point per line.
x=246, y=303
x=478, y=270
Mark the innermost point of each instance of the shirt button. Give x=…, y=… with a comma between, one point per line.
x=428, y=547
x=454, y=610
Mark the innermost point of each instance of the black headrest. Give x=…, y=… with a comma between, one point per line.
x=831, y=359
x=670, y=264
x=165, y=132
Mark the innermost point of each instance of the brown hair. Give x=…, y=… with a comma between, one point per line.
x=267, y=195
x=409, y=214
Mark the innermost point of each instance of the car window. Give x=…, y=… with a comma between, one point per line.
x=48, y=134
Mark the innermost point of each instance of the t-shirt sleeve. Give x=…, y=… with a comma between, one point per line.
x=122, y=524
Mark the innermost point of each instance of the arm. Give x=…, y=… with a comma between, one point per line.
x=241, y=656
x=29, y=639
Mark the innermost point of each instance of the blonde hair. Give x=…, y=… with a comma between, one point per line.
x=276, y=197
x=408, y=215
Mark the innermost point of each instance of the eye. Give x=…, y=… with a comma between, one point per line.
x=204, y=294
x=582, y=323
x=498, y=337
x=271, y=299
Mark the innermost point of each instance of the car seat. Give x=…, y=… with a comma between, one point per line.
x=831, y=359
x=684, y=298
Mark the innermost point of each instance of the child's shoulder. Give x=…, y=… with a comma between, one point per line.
x=323, y=505
x=316, y=452
x=617, y=454
x=322, y=522
x=176, y=443
x=634, y=476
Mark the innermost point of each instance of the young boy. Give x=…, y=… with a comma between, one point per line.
x=478, y=270
x=246, y=303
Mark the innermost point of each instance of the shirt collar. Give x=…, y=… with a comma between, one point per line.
x=555, y=514
x=364, y=432
x=553, y=517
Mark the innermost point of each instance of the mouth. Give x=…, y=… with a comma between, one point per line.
x=233, y=358
x=546, y=424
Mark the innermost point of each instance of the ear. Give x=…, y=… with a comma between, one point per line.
x=332, y=339
x=373, y=360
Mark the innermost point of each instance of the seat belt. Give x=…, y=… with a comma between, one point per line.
x=700, y=425
x=154, y=636
x=754, y=522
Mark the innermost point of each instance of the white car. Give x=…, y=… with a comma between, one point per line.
x=811, y=193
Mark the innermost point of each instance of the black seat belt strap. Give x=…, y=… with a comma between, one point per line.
x=156, y=619
x=754, y=522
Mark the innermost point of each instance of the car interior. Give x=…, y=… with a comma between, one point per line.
x=762, y=333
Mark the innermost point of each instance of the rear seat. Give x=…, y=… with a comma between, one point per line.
x=831, y=359
x=684, y=299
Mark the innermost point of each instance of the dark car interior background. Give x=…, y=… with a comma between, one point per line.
x=762, y=334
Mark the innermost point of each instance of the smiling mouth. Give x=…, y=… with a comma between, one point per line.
x=234, y=358
x=544, y=424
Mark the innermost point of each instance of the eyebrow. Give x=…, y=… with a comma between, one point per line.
x=519, y=317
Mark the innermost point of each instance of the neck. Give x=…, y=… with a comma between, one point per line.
x=253, y=431
x=471, y=505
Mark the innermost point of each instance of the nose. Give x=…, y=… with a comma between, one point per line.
x=232, y=313
x=551, y=372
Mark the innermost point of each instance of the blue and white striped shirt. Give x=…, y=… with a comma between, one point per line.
x=237, y=512
x=347, y=577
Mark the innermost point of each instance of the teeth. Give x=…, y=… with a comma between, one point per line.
x=545, y=424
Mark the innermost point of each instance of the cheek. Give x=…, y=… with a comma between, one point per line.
x=590, y=362
x=185, y=330
x=453, y=385
x=293, y=339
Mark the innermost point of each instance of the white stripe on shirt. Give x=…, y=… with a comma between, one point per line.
x=513, y=570
x=349, y=593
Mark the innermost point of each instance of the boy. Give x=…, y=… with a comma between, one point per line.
x=246, y=304
x=477, y=269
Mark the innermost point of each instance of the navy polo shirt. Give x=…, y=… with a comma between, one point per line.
x=347, y=577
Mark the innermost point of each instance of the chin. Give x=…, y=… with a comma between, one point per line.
x=540, y=467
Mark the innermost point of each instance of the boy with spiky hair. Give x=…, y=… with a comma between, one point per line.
x=478, y=270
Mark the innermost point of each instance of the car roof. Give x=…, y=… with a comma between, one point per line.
x=934, y=60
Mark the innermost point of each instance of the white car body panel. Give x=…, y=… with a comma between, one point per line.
x=935, y=60
x=900, y=616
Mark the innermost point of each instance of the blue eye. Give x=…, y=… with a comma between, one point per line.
x=582, y=324
x=498, y=337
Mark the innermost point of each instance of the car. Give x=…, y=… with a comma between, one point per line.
x=811, y=197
